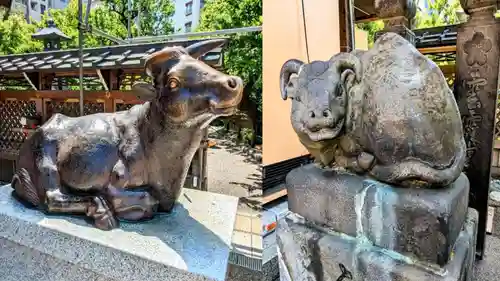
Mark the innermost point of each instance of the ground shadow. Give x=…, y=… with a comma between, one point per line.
x=228, y=140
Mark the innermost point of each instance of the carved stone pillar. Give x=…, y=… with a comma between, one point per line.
x=476, y=88
x=397, y=16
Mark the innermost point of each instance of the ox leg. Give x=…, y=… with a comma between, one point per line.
x=348, y=162
x=132, y=205
x=94, y=207
x=57, y=201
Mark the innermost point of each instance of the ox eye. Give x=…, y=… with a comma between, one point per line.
x=297, y=99
x=173, y=84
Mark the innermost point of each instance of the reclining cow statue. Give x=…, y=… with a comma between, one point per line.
x=129, y=164
x=387, y=112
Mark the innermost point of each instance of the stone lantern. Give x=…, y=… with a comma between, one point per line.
x=51, y=36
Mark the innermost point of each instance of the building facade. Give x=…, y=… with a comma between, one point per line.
x=38, y=7
x=187, y=15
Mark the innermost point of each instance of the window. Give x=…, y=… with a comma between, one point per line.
x=42, y=8
x=202, y=4
x=33, y=6
x=187, y=27
x=189, y=8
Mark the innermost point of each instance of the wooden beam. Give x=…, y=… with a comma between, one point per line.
x=32, y=83
x=125, y=96
x=366, y=19
x=47, y=80
x=434, y=50
x=273, y=194
x=74, y=73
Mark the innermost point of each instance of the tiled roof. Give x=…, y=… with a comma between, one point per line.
x=111, y=57
x=436, y=36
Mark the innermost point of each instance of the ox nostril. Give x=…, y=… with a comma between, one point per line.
x=311, y=114
x=326, y=113
x=231, y=83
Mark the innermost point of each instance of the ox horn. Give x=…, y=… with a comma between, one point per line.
x=290, y=67
x=197, y=50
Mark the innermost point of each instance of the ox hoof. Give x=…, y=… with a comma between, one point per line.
x=366, y=161
x=319, y=164
x=138, y=214
x=106, y=222
x=104, y=218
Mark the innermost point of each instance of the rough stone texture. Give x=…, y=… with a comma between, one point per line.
x=309, y=253
x=494, y=199
x=489, y=268
x=476, y=92
x=270, y=270
x=387, y=112
x=192, y=243
x=420, y=222
x=240, y=273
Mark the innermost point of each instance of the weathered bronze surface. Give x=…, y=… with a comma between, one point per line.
x=130, y=164
x=476, y=91
x=387, y=112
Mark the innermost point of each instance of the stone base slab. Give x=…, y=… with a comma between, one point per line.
x=423, y=223
x=191, y=243
x=310, y=253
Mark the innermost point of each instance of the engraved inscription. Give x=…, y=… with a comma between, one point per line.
x=473, y=120
x=346, y=274
x=477, y=49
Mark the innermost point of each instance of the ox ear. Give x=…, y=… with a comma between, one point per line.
x=154, y=61
x=144, y=91
x=349, y=67
x=197, y=50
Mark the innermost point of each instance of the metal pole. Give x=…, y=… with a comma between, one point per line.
x=80, y=51
x=87, y=14
x=349, y=12
x=129, y=25
x=143, y=39
x=28, y=11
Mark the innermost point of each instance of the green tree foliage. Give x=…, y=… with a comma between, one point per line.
x=15, y=33
x=100, y=17
x=440, y=12
x=155, y=16
x=243, y=55
x=15, y=36
x=371, y=27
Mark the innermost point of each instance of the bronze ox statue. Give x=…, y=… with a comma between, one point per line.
x=130, y=164
x=387, y=112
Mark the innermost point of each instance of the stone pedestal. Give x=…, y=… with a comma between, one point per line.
x=191, y=243
x=347, y=227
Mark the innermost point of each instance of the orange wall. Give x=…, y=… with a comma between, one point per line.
x=284, y=39
x=361, y=39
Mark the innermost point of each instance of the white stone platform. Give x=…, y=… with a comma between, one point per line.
x=192, y=243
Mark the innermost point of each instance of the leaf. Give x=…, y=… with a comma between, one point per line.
x=243, y=55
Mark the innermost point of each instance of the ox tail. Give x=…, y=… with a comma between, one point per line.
x=420, y=174
x=24, y=188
